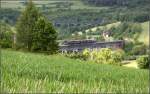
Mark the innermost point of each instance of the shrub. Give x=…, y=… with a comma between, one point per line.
x=6, y=36
x=5, y=43
x=116, y=57
x=86, y=53
x=139, y=50
x=104, y=56
x=143, y=62
x=75, y=56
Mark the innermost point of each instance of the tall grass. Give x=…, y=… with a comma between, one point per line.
x=32, y=73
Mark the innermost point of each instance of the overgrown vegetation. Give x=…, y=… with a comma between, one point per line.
x=143, y=62
x=33, y=73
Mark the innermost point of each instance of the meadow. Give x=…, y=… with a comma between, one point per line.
x=31, y=73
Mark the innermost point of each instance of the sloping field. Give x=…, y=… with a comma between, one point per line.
x=31, y=73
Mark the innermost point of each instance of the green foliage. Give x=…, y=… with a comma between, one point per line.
x=144, y=36
x=6, y=36
x=135, y=48
x=25, y=26
x=45, y=36
x=139, y=50
x=36, y=73
x=126, y=30
x=34, y=32
x=143, y=62
x=104, y=56
x=75, y=55
x=86, y=53
x=117, y=57
x=130, y=32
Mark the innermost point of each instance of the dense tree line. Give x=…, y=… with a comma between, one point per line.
x=132, y=15
x=106, y=2
x=129, y=3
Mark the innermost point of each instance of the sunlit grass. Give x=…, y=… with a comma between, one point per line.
x=31, y=73
x=132, y=64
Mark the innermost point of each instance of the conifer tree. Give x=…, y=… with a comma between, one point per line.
x=25, y=26
x=45, y=37
x=35, y=32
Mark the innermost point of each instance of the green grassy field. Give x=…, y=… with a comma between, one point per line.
x=31, y=73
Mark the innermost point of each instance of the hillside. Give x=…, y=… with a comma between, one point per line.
x=107, y=26
x=55, y=4
x=26, y=72
x=144, y=36
x=129, y=3
x=71, y=16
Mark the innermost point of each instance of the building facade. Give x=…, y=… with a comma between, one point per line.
x=80, y=45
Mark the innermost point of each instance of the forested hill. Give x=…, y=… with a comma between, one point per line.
x=71, y=16
x=129, y=3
